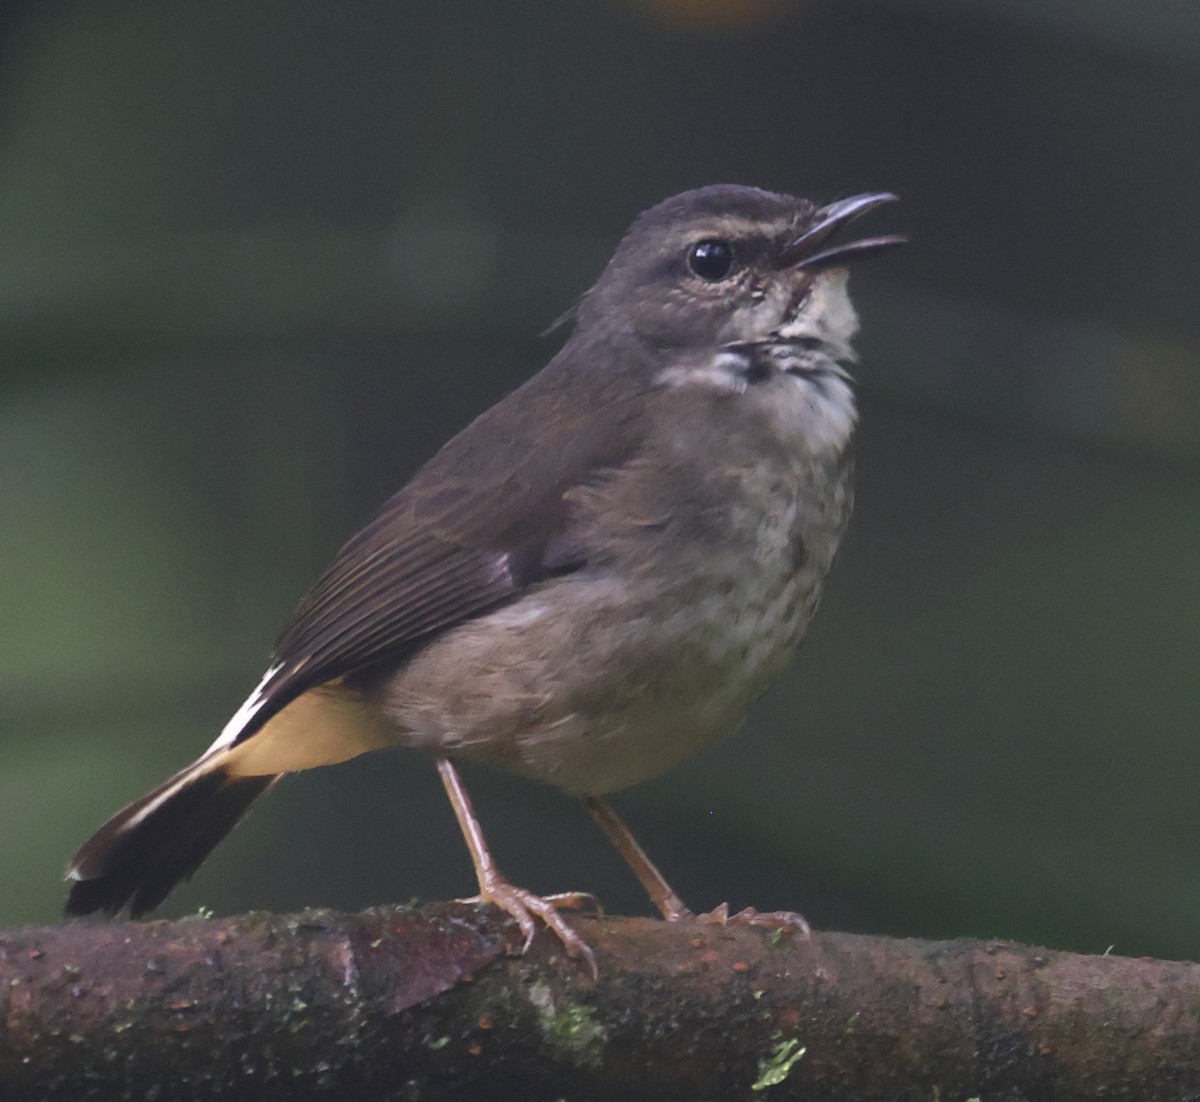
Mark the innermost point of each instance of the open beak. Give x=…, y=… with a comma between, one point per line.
x=806, y=252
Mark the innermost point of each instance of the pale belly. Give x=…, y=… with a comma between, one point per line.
x=598, y=680
x=589, y=687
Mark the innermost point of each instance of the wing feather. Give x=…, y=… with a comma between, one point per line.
x=486, y=519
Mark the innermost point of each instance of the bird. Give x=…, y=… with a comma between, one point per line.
x=593, y=580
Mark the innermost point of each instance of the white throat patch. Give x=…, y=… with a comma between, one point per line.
x=826, y=315
x=807, y=396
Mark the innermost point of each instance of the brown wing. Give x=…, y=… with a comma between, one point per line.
x=486, y=519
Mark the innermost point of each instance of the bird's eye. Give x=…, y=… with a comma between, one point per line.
x=711, y=259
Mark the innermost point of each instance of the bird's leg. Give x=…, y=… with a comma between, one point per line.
x=522, y=905
x=663, y=895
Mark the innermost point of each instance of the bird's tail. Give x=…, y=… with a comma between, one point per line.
x=147, y=848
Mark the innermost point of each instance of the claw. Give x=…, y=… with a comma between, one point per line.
x=522, y=905
x=785, y=921
x=577, y=901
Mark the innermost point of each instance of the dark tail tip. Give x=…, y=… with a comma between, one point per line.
x=136, y=858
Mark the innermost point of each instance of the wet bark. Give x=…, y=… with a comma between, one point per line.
x=431, y=1003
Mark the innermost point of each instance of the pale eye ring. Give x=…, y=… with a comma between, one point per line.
x=711, y=259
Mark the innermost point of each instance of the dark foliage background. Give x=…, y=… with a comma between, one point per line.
x=258, y=260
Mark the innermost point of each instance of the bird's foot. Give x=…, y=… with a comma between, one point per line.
x=783, y=921
x=522, y=906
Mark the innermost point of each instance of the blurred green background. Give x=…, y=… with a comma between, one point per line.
x=257, y=261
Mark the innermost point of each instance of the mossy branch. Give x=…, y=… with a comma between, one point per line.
x=430, y=1003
